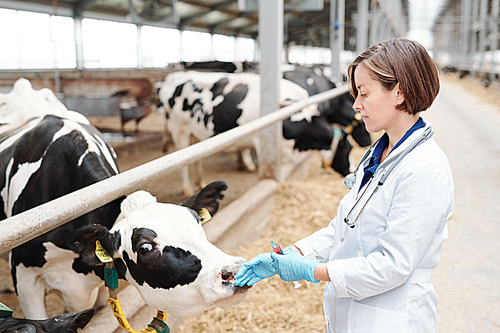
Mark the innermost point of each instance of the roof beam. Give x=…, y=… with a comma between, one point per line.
x=206, y=10
x=81, y=6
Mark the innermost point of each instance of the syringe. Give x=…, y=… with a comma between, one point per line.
x=277, y=249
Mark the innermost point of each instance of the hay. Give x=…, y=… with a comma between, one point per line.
x=300, y=208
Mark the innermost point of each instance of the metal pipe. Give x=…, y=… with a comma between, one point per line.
x=27, y=225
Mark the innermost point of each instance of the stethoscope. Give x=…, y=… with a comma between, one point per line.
x=350, y=179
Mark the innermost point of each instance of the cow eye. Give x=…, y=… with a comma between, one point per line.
x=145, y=248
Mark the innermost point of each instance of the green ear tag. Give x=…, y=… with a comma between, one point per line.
x=5, y=311
x=110, y=278
x=205, y=215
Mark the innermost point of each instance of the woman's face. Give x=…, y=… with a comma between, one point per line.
x=376, y=105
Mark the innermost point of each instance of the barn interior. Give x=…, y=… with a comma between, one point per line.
x=465, y=35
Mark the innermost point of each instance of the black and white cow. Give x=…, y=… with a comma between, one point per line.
x=162, y=250
x=337, y=110
x=203, y=104
x=64, y=323
x=47, y=151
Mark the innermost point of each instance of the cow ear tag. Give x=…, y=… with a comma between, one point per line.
x=110, y=274
x=101, y=253
x=205, y=215
x=5, y=311
x=110, y=278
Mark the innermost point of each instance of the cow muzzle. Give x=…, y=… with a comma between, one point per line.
x=234, y=294
x=227, y=276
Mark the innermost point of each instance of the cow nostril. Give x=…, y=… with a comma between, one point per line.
x=227, y=277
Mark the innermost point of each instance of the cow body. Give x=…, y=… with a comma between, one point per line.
x=200, y=105
x=46, y=152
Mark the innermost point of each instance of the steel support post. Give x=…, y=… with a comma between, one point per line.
x=78, y=42
x=337, y=31
x=465, y=30
x=374, y=24
x=271, y=43
x=362, y=26
x=495, y=13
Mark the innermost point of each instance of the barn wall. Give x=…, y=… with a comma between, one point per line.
x=89, y=92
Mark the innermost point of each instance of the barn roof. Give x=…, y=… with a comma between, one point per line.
x=215, y=16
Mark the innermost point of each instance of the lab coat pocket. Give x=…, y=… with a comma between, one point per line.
x=367, y=318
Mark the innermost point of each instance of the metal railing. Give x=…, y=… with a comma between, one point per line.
x=27, y=225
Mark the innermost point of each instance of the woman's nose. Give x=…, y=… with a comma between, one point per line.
x=357, y=105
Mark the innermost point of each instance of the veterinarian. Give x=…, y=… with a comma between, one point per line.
x=378, y=254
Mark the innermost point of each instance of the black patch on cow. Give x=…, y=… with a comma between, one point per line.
x=218, y=87
x=317, y=134
x=177, y=93
x=227, y=112
x=214, y=65
x=192, y=108
x=196, y=88
x=163, y=269
x=340, y=162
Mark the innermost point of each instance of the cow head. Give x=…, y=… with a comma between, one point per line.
x=65, y=323
x=162, y=250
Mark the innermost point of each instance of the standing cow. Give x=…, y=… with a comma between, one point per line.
x=201, y=104
x=46, y=152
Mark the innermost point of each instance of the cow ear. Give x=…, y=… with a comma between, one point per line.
x=207, y=198
x=69, y=322
x=83, y=242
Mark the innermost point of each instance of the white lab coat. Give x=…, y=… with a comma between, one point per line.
x=380, y=271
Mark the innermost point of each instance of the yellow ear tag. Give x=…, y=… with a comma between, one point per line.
x=101, y=253
x=205, y=215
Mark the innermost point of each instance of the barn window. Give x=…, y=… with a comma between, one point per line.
x=196, y=46
x=245, y=49
x=223, y=47
x=160, y=46
x=36, y=40
x=109, y=44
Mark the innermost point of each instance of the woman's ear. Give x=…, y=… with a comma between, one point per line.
x=398, y=94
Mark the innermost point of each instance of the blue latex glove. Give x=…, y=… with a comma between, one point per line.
x=294, y=266
x=257, y=269
x=289, y=250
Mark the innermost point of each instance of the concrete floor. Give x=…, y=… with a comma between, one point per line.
x=467, y=280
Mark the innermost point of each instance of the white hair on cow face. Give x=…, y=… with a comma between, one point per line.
x=136, y=201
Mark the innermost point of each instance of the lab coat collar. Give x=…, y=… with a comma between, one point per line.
x=381, y=169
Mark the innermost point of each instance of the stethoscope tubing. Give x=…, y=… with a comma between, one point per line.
x=428, y=132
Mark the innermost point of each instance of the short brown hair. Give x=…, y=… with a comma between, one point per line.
x=405, y=62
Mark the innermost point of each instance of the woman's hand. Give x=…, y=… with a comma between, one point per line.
x=257, y=269
x=294, y=267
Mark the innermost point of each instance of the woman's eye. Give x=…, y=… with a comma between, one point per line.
x=363, y=95
x=145, y=248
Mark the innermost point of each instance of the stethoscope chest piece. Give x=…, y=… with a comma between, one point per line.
x=350, y=181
